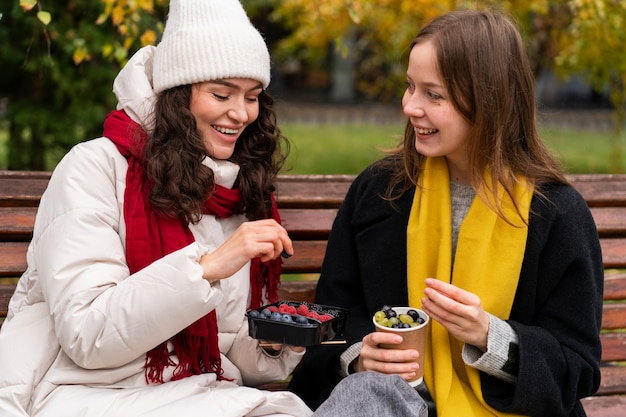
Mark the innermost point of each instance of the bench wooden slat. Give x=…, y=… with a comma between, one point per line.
x=605, y=406
x=615, y=286
x=312, y=191
x=613, y=380
x=610, y=220
x=13, y=258
x=614, y=317
x=20, y=189
x=601, y=190
x=614, y=252
x=6, y=291
x=308, y=224
x=307, y=258
x=614, y=346
x=16, y=223
x=301, y=290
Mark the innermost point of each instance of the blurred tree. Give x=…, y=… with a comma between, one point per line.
x=59, y=57
x=593, y=45
x=59, y=60
x=568, y=36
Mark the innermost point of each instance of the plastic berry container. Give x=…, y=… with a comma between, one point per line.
x=302, y=329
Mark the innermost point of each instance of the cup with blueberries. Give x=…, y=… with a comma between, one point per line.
x=410, y=323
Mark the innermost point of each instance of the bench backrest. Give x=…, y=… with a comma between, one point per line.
x=308, y=205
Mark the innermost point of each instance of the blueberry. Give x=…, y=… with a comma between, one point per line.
x=254, y=313
x=266, y=313
x=287, y=318
x=302, y=320
x=276, y=316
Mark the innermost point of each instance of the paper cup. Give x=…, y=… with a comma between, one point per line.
x=412, y=338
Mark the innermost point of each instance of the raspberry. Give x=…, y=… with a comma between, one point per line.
x=303, y=310
x=325, y=317
x=272, y=309
x=283, y=308
x=314, y=315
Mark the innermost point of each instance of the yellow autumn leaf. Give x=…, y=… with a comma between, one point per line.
x=44, y=17
x=102, y=18
x=147, y=5
x=118, y=15
x=80, y=54
x=107, y=50
x=28, y=4
x=128, y=42
x=148, y=38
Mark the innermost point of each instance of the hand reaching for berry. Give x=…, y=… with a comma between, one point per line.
x=459, y=311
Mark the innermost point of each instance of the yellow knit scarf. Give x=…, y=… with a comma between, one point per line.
x=487, y=263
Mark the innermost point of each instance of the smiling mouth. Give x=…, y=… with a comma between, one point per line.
x=421, y=131
x=225, y=130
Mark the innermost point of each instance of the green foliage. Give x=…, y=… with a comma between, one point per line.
x=51, y=103
x=591, y=44
x=58, y=67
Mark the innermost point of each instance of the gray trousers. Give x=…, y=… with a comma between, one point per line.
x=371, y=394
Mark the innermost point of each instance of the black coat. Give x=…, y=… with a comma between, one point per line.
x=557, y=310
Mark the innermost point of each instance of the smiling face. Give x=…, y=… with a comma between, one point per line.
x=223, y=109
x=440, y=130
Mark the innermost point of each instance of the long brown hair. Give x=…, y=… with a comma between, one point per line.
x=175, y=151
x=483, y=64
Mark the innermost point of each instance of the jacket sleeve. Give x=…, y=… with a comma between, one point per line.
x=103, y=316
x=557, y=312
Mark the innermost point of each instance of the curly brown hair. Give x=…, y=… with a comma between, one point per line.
x=175, y=151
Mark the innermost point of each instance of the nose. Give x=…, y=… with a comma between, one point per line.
x=412, y=105
x=239, y=111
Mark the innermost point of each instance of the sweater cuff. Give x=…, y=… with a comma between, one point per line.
x=347, y=357
x=502, y=356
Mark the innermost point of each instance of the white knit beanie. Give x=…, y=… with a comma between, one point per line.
x=208, y=40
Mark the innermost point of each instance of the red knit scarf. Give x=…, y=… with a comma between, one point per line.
x=151, y=235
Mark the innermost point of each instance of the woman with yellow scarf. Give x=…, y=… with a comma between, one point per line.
x=472, y=220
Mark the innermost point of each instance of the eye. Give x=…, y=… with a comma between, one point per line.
x=434, y=96
x=219, y=97
x=252, y=99
x=410, y=87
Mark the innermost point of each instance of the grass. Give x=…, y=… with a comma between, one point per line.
x=585, y=152
x=348, y=149
x=337, y=149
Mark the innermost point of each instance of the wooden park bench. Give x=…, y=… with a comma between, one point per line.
x=308, y=205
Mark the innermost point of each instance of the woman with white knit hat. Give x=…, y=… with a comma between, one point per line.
x=152, y=241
